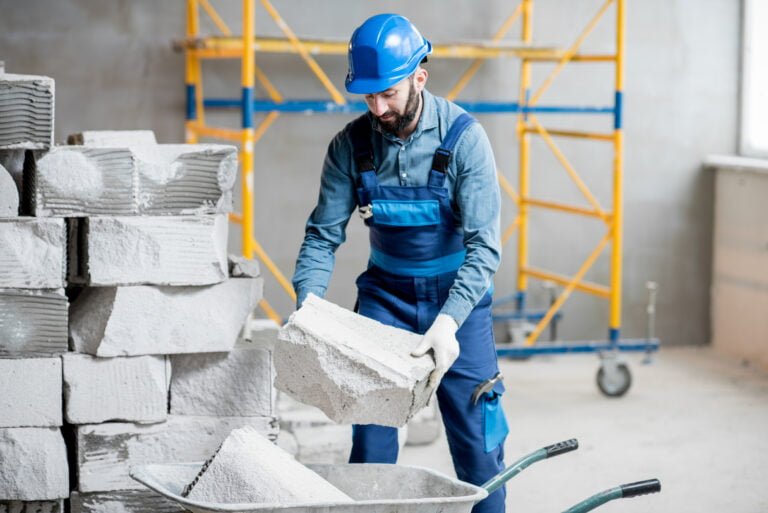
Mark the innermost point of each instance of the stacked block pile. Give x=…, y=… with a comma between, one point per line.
x=116, y=294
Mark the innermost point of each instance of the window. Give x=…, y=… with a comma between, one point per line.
x=754, y=89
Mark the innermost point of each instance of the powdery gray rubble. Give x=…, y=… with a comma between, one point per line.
x=105, y=452
x=30, y=393
x=126, y=501
x=33, y=322
x=26, y=108
x=112, y=138
x=32, y=506
x=125, y=321
x=162, y=250
x=133, y=389
x=9, y=194
x=34, y=464
x=248, y=468
x=355, y=369
x=152, y=179
x=32, y=253
x=228, y=384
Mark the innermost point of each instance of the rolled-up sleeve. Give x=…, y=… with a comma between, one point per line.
x=478, y=201
x=326, y=227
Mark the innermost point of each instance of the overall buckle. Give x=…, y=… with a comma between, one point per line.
x=366, y=211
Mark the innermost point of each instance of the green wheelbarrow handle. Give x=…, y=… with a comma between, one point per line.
x=619, y=492
x=511, y=471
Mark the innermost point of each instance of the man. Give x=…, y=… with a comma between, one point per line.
x=421, y=173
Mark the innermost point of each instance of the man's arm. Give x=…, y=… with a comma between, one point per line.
x=478, y=200
x=325, y=229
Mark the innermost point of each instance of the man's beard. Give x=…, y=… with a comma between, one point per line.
x=400, y=121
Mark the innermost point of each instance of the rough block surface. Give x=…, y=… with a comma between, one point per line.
x=105, y=452
x=32, y=253
x=170, y=250
x=33, y=464
x=30, y=393
x=126, y=501
x=31, y=507
x=148, y=179
x=115, y=321
x=9, y=194
x=112, y=138
x=355, y=369
x=131, y=389
x=249, y=468
x=228, y=384
x=33, y=322
x=26, y=108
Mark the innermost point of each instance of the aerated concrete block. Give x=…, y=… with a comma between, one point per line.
x=32, y=507
x=237, y=383
x=33, y=322
x=126, y=321
x=30, y=393
x=355, y=369
x=133, y=389
x=112, y=138
x=33, y=464
x=32, y=253
x=155, y=179
x=169, y=250
x=105, y=452
x=9, y=194
x=26, y=111
x=248, y=468
x=126, y=501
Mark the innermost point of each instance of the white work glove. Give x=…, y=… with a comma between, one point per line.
x=441, y=339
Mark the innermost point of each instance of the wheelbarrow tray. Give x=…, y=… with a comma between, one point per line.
x=376, y=488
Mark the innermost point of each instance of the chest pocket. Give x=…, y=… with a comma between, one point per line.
x=406, y=212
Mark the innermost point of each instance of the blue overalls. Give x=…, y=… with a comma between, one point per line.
x=416, y=250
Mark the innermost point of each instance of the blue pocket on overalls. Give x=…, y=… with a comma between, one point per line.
x=495, y=427
x=406, y=212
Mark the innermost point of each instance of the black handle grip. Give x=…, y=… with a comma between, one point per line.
x=562, y=447
x=640, y=488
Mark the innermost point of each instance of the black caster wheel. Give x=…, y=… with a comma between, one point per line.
x=614, y=379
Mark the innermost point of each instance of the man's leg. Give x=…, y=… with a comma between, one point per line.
x=464, y=428
x=374, y=444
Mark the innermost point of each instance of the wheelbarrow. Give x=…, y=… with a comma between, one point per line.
x=379, y=488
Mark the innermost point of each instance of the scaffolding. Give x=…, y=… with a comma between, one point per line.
x=198, y=48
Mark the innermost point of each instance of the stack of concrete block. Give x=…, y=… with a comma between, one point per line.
x=156, y=375
x=34, y=474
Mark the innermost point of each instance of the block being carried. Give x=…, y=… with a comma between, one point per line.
x=356, y=370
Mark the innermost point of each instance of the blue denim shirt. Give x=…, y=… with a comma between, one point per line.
x=472, y=187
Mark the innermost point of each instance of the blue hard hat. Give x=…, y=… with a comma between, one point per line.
x=384, y=50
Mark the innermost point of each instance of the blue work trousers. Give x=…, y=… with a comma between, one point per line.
x=412, y=303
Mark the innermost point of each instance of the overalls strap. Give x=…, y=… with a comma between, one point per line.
x=362, y=149
x=443, y=154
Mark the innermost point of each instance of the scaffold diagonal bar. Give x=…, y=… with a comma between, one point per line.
x=214, y=15
x=299, y=46
x=470, y=72
x=569, y=169
x=565, y=294
x=569, y=53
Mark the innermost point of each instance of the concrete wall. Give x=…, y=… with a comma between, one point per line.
x=740, y=262
x=114, y=68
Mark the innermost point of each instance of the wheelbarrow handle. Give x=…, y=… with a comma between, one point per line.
x=619, y=492
x=514, y=469
x=640, y=488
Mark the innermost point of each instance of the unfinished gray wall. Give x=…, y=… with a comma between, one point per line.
x=114, y=69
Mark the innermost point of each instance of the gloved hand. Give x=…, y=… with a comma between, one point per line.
x=441, y=338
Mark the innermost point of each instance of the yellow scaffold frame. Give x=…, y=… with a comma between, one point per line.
x=244, y=47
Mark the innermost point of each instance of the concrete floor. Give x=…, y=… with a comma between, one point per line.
x=693, y=419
